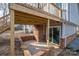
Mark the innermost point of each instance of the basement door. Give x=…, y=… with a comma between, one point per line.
x=55, y=34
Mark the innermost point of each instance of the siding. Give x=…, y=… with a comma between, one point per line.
x=68, y=30
x=74, y=16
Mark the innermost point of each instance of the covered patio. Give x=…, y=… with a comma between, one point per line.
x=40, y=31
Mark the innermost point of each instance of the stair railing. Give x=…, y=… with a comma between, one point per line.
x=4, y=22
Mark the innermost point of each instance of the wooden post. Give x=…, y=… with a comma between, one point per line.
x=48, y=26
x=24, y=28
x=47, y=31
x=12, y=47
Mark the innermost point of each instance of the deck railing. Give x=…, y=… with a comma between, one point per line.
x=49, y=8
x=38, y=5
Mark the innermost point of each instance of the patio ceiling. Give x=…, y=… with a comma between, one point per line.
x=24, y=18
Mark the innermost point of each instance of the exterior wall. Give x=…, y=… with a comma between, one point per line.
x=65, y=41
x=40, y=32
x=68, y=34
x=71, y=12
x=74, y=14
x=68, y=29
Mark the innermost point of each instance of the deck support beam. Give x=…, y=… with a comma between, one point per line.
x=12, y=47
x=47, y=32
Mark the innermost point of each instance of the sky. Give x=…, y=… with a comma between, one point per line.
x=1, y=13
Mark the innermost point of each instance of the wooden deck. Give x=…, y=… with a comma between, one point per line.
x=41, y=48
x=36, y=49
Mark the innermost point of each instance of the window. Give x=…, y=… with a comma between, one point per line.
x=59, y=5
x=29, y=29
x=18, y=27
x=65, y=13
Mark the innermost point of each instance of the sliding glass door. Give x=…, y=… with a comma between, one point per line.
x=55, y=34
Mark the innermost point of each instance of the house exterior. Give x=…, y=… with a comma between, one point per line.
x=49, y=22
x=41, y=16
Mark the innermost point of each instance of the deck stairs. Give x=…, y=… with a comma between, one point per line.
x=4, y=26
x=4, y=23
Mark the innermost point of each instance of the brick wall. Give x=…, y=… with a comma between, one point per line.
x=68, y=40
x=40, y=32
x=62, y=43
